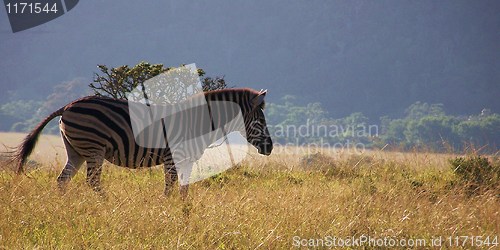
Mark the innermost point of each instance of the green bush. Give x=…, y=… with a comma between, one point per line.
x=476, y=172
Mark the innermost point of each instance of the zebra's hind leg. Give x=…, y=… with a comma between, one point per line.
x=184, y=191
x=170, y=176
x=184, y=178
x=94, y=169
x=72, y=166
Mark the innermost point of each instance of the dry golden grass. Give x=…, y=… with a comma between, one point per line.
x=262, y=203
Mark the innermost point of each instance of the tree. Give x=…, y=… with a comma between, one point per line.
x=419, y=110
x=480, y=131
x=120, y=81
x=18, y=115
x=287, y=120
x=209, y=83
x=394, y=133
x=437, y=132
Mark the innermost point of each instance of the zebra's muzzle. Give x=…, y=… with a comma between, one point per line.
x=265, y=149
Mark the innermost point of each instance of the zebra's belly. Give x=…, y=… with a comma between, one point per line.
x=140, y=157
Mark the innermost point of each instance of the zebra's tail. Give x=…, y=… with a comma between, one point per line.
x=26, y=147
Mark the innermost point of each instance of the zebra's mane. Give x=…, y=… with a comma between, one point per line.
x=237, y=90
x=236, y=94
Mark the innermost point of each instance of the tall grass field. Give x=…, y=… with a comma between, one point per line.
x=295, y=198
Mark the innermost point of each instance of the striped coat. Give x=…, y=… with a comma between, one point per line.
x=95, y=129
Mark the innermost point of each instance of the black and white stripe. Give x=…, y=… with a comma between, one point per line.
x=95, y=129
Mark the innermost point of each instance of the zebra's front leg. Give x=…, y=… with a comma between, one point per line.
x=94, y=169
x=185, y=168
x=170, y=177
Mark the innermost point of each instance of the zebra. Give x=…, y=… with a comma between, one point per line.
x=94, y=129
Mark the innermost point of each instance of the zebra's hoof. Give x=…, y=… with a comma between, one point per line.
x=167, y=192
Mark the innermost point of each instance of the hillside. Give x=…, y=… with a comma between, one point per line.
x=375, y=57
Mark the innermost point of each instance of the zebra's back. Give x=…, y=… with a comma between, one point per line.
x=101, y=127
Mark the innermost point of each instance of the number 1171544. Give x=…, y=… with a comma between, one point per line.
x=31, y=8
x=472, y=241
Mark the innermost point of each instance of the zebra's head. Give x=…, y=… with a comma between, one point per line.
x=256, y=130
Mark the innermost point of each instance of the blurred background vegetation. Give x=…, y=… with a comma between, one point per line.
x=424, y=126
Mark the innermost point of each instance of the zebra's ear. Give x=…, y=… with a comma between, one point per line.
x=259, y=99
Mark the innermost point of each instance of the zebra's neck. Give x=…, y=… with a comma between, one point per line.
x=242, y=97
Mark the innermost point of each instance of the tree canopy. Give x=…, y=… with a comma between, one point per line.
x=120, y=81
